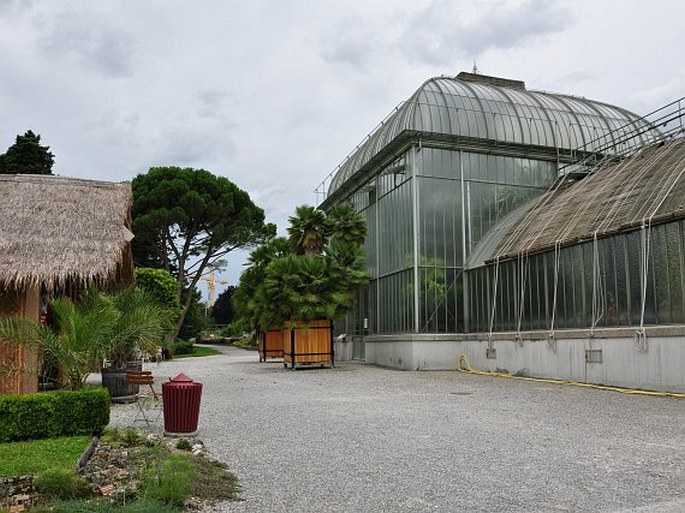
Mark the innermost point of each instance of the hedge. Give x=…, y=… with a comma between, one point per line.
x=53, y=414
x=182, y=347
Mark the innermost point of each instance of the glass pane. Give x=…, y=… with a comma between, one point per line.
x=395, y=239
x=440, y=232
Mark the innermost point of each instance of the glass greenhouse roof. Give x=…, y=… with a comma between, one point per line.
x=646, y=188
x=488, y=108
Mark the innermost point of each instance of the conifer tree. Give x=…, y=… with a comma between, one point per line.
x=27, y=156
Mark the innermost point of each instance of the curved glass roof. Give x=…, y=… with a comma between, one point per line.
x=648, y=187
x=507, y=113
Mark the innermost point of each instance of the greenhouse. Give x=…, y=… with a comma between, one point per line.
x=497, y=215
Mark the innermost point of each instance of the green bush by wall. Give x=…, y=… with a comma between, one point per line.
x=182, y=347
x=53, y=414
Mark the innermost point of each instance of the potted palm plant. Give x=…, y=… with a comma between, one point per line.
x=140, y=327
x=304, y=290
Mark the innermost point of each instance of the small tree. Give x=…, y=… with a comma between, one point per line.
x=186, y=220
x=27, y=156
x=195, y=319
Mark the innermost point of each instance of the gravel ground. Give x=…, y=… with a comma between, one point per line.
x=359, y=438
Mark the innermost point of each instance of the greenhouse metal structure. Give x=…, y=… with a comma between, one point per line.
x=535, y=232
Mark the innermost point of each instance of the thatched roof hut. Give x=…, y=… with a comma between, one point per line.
x=57, y=235
x=56, y=230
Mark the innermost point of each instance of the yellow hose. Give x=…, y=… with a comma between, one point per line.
x=463, y=365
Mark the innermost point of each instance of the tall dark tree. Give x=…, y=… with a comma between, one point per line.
x=222, y=311
x=186, y=220
x=194, y=321
x=27, y=156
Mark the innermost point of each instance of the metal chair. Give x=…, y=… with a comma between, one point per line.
x=148, y=399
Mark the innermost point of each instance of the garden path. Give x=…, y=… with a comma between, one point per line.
x=360, y=438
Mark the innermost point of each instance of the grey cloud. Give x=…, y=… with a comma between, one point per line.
x=351, y=42
x=193, y=146
x=14, y=6
x=118, y=127
x=445, y=30
x=578, y=76
x=211, y=102
x=105, y=49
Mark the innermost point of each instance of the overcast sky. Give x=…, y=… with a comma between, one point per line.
x=274, y=94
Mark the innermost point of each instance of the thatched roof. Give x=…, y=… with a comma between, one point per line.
x=55, y=229
x=646, y=188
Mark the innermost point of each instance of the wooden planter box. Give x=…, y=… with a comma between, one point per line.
x=271, y=344
x=309, y=344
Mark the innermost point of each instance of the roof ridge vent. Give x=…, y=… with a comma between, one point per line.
x=489, y=80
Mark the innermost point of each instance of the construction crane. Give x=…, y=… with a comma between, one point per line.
x=211, y=287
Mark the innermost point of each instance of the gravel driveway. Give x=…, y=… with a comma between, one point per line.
x=359, y=438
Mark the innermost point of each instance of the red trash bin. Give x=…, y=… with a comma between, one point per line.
x=181, y=397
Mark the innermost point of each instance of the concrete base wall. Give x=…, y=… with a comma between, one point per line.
x=620, y=358
x=343, y=350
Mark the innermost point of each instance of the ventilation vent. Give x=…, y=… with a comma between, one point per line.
x=493, y=81
x=593, y=356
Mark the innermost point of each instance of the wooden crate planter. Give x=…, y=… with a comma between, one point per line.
x=309, y=343
x=271, y=344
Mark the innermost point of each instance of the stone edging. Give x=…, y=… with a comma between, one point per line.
x=87, y=453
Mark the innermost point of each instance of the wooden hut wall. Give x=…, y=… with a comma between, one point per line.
x=19, y=365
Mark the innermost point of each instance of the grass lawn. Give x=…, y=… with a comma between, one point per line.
x=167, y=475
x=36, y=456
x=198, y=351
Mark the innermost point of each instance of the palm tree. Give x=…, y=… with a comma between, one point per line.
x=296, y=288
x=244, y=297
x=347, y=224
x=98, y=327
x=308, y=231
x=78, y=343
x=140, y=327
x=262, y=255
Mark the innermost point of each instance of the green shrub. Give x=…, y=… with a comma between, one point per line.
x=182, y=347
x=236, y=328
x=183, y=445
x=130, y=437
x=170, y=480
x=53, y=414
x=61, y=484
x=161, y=285
x=245, y=342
